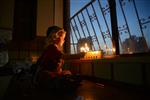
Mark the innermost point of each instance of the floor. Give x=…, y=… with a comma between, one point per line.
x=88, y=90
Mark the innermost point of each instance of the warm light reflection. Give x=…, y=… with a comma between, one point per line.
x=129, y=51
x=110, y=51
x=113, y=50
x=105, y=46
x=34, y=58
x=92, y=55
x=84, y=48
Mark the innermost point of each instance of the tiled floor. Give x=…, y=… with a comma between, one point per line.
x=87, y=91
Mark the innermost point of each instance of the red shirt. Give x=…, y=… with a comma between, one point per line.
x=50, y=58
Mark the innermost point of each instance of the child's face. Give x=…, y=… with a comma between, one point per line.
x=62, y=38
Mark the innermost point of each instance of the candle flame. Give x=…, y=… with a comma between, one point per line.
x=84, y=48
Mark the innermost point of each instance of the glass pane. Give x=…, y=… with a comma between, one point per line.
x=133, y=25
x=90, y=26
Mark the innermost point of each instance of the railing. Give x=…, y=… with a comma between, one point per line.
x=85, y=20
x=92, y=22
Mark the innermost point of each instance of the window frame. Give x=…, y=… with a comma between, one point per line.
x=115, y=33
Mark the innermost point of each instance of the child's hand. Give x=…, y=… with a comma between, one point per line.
x=66, y=72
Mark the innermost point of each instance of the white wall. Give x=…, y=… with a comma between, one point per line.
x=58, y=13
x=48, y=14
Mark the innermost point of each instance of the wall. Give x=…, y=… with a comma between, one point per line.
x=45, y=16
x=6, y=18
x=49, y=12
x=129, y=70
x=58, y=13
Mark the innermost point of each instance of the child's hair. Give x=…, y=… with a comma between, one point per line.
x=53, y=29
x=53, y=34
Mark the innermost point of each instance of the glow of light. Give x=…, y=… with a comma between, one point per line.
x=129, y=51
x=105, y=46
x=84, y=48
x=34, y=58
x=113, y=50
x=92, y=55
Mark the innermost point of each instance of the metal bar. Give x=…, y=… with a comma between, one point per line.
x=145, y=22
x=99, y=28
x=72, y=37
x=86, y=25
x=87, y=28
x=73, y=42
x=104, y=17
x=77, y=28
x=81, y=26
x=115, y=33
x=74, y=30
x=66, y=25
x=82, y=8
x=104, y=20
x=91, y=25
x=139, y=22
x=106, y=9
x=125, y=18
x=122, y=29
x=120, y=41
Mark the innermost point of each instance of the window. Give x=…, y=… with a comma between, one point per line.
x=91, y=30
x=133, y=25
